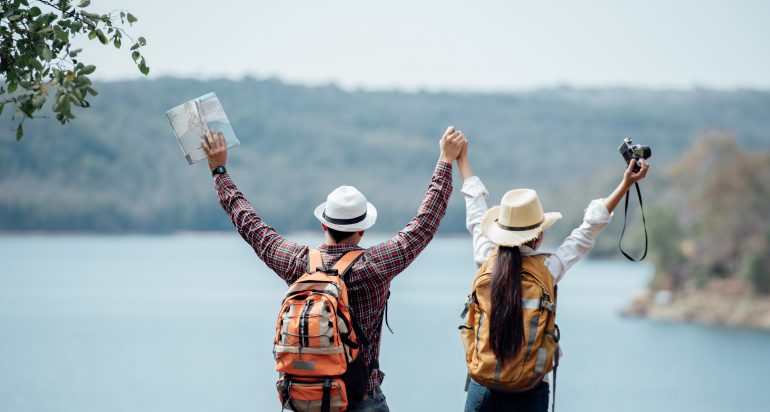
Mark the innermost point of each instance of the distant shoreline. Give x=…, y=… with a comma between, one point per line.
x=724, y=302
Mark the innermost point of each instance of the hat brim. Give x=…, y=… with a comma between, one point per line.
x=371, y=217
x=510, y=238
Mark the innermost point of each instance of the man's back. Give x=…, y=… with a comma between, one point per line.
x=369, y=279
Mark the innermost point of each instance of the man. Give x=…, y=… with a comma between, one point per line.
x=344, y=217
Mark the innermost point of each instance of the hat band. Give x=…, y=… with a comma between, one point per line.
x=344, y=221
x=519, y=228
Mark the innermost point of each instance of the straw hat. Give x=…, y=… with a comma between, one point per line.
x=518, y=219
x=346, y=210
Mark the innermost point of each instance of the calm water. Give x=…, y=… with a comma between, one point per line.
x=185, y=323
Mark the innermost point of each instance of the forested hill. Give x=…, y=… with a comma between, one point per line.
x=118, y=167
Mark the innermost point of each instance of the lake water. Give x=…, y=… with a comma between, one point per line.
x=185, y=323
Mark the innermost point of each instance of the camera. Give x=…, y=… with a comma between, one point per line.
x=634, y=151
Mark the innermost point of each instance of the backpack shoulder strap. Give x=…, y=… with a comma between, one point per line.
x=346, y=261
x=314, y=260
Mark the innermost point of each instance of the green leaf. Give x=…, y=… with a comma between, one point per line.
x=92, y=35
x=102, y=38
x=35, y=11
x=131, y=18
x=135, y=55
x=84, y=3
x=116, y=42
x=143, y=67
x=60, y=34
x=36, y=64
x=88, y=69
x=38, y=101
x=19, y=132
x=46, y=54
x=65, y=104
x=12, y=87
x=141, y=41
x=75, y=52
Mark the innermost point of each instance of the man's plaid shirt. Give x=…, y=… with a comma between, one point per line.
x=369, y=279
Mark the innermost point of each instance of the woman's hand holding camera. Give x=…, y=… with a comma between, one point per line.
x=629, y=178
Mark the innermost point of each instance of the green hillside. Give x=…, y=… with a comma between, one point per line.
x=118, y=167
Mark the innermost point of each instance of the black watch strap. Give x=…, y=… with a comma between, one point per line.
x=219, y=170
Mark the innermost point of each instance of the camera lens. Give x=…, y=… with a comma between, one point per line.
x=642, y=152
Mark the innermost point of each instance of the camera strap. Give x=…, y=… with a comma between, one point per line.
x=644, y=223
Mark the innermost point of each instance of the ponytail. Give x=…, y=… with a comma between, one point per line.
x=506, y=324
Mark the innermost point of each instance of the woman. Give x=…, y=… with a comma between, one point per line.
x=505, y=239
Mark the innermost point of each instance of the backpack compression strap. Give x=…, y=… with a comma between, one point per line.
x=346, y=262
x=342, y=267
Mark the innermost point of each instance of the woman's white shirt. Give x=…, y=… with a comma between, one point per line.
x=577, y=244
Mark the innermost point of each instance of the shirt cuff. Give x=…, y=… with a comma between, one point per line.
x=444, y=169
x=222, y=181
x=597, y=213
x=474, y=187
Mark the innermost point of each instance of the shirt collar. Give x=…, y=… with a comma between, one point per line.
x=528, y=251
x=342, y=247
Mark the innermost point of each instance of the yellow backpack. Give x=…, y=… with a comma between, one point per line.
x=539, y=353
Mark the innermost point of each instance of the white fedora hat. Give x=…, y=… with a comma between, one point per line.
x=518, y=219
x=346, y=210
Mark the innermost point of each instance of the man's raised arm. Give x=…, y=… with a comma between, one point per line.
x=278, y=253
x=393, y=256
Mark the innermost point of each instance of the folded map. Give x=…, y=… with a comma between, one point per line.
x=190, y=121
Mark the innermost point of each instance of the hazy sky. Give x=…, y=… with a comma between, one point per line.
x=458, y=45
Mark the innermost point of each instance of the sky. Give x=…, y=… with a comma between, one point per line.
x=476, y=45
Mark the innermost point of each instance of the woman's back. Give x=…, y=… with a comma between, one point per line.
x=526, y=366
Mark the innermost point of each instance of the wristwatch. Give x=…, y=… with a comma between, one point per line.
x=219, y=170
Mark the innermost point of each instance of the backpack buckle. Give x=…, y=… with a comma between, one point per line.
x=466, y=308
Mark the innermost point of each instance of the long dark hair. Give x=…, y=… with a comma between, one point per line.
x=506, y=323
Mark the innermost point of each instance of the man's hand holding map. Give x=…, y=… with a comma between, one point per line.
x=193, y=119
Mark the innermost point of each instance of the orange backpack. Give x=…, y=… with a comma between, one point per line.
x=539, y=353
x=316, y=347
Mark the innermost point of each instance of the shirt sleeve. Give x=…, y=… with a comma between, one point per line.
x=278, y=253
x=580, y=241
x=391, y=257
x=476, y=194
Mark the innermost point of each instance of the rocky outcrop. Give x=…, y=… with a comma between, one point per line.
x=723, y=302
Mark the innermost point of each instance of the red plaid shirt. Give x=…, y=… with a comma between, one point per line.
x=369, y=279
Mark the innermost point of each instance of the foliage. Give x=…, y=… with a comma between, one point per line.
x=37, y=58
x=721, y=193
x=756, y=269
x=666, y=247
